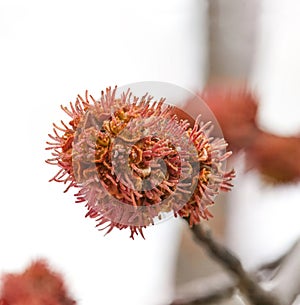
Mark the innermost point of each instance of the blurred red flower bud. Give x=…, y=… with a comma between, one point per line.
x=235, y=110
x=276, y=157
x=37, y=285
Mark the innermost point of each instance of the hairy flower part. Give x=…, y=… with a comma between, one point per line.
x=134, y=160
x=37, y=285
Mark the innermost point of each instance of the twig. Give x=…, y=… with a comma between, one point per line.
x=286, y=281
x=277, y=274
x=209, y=298
x=208, y=290
x=267, y=271
x=247, y=285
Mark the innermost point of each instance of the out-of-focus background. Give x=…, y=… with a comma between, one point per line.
x=50, y=52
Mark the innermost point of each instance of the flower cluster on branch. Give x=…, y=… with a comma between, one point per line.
x=134, y=159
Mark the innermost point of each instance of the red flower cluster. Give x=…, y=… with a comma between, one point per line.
x=235, y=110
x=275, y=157
x=37, y=285
x=133, y=160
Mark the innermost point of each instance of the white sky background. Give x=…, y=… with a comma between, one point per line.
x=264, y=221
x=50, y=52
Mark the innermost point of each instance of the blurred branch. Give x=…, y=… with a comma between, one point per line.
x=248, y=286
x=246, y=283
x=209, y=290
x=237, y=21
x=285, y=284
x=282, y=276
x=208, y=298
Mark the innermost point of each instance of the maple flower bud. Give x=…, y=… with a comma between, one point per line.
x=134, y=160
x=235, y=109
x=37, y=285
